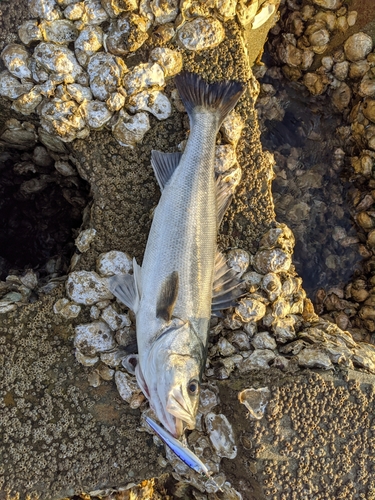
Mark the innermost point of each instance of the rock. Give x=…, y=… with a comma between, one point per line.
x=221, y=435
x=259, y=359
x=169, y=60
x=201, y=34
x=126, y=385
x=16, y=60
x=250, y=310
x=312, y=357
x=113, y=358
x=275, y=260
x=126, y=34
x=86, y=360
x=63, y=119
x=328, y=4
x=93, y=338
x=45, y=9
x=357, y=46
x=61, y=31
x=84, y=239
x=89, y=41
x=78, y=92
x=29, y=32
x=283, y=329
x=225, y=347
x=164, y=11
x=231, y=127
x=263, y=340
x=225, y=158
x=341, y=97
x=66, y=309
x=86, y=287
x=105, y=72
x=129, y=130
x=142, y=77
x=11, y=87
x=368, y=109
x=27, y=103
x=114, y=320
x=238, y=260
x=115, y=101
x=255, y=400
x=153, y=101
x=60, y=61
x=114, y=262
x=96, y=113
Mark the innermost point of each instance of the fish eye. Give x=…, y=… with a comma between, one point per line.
x=193, y=387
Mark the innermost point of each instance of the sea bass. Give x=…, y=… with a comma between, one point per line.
x=183, y=278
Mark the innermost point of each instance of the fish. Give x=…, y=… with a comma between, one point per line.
x=184, y=279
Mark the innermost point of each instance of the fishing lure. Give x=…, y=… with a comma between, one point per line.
x=181, y=451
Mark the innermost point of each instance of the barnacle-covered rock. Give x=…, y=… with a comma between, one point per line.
x=60, y=61
x=89, y=41
x=221, y=435
x=61, y=31
x=169, y=60
x=263, y=340
x=126, y=385
x=115, y=101
x=283, y=328
x=313, y=357
x=259, y=359
x=29, y=32
x=271, y=284
x=357, y=46
x=164, y=11
x=45, y=9
x=85, y=238
x=85, y=287
x=62, y=118
x=238, y=260
x=202, y=33
x=19, y=135
x=246, y=11
x=114, y=320
x=16, y=60
x=27, y=103
x=280, y=236
x=265, y=12
x=255, y=400
x=125, y=35
x=85, y=360
x=142, y=77
x=249, y=309
x=225, y=158
x=92, y=338
x=128, y=130
x=231, y=127
x=66, y=309
x=78, y=92
x=113, y=262
x=275, y=261
x=153, y=101
x=105, y=72
x=74, y=11
x=11, y=87
x=116, y=7
x=96, y=113
x=93, y=14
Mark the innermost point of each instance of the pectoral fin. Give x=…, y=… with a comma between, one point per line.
x=164, y=164
x=126, y=287
x=227, y=286
x=167, y=297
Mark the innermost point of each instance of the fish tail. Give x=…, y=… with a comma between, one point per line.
x=219, y=97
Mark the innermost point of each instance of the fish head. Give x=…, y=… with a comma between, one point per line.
x=171, y=375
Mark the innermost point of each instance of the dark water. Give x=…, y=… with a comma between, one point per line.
x=312, y=185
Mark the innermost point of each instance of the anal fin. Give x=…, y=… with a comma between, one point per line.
x=227, y=285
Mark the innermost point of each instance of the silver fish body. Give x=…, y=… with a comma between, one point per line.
x=172, y=294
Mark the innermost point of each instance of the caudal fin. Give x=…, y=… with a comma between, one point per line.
x=220, y=97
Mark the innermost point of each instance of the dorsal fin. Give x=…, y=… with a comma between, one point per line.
x=224, y=195
x=126, y=287
x=227, y=286
x=164, y=164
x=167, y=297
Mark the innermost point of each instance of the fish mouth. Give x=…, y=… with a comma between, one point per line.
x=176, y=406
